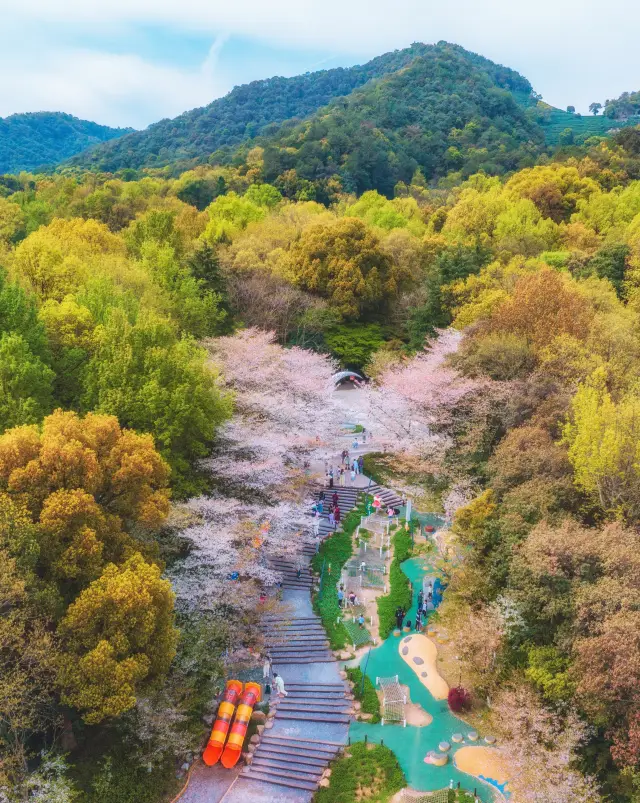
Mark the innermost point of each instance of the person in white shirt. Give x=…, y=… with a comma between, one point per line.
x=279, y=682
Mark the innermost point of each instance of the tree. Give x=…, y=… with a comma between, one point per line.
x=119, y=468
x=541, y=749
x=594, y=108
x=117, y=635
x=26, y=384
x=603, y=438
x=155, y=382
x=344, y=263
x=571, y=109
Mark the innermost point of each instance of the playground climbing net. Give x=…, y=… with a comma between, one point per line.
x=393, y=700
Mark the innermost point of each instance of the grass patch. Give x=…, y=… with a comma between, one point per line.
x=367, y=697
x=399, y=589
x=376, y=467
x=334, y=552
x=368, y=774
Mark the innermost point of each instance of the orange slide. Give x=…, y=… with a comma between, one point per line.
x=235, y=741
x=223, y=721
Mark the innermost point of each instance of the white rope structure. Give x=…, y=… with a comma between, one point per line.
x=393, y=700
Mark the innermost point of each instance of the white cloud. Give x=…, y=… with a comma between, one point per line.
x=573, y=51
x=119, y=90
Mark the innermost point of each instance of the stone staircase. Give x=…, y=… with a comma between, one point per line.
x=291, y=762
x=347, y=499
x=297, y=641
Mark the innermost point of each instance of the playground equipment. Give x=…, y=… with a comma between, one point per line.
x=394, y=700
x=233, y=748
x=218, y=736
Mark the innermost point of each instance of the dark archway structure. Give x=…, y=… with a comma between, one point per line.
x=347, y=376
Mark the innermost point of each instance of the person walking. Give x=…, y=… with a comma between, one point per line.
x=335, y=498
x=332, y=520
x=279, y=684
x=340, y=597
x=316, y=522
x=320, y=505
x=353, y=475
x=361, y=621
x=342, y=477
x=418, y=619
x=336, y=515
x=399, y=617
x=330, y=478
x=266, y=667
x=361, y=464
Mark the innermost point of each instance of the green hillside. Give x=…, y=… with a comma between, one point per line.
x=257, y=109
x=555, y=121
x=28, y=141
x=448, y=111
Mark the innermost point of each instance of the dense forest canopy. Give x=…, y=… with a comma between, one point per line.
x=29, y=141
x=168, y=335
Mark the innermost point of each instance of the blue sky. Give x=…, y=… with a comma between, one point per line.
x=132, y=62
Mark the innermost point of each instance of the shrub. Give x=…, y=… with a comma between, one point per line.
x=334, y=551
x=368, y=773
x=367, y=696
x=459, y=699
x=399, y=588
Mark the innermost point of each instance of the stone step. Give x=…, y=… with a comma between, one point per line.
x=311, y=708
x=309, y=771
x=295, y=694
x=277, y=780
x=286, y=619
x=300, y=757
x=318, y=745
x=302, y=684
x=328, y=660
x=312, y=716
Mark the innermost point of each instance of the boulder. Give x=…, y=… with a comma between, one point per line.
x=260, y=730
x=259, y=716
x=255, y=739
x=357, y=705
x=365, y=717
x=324, y=782
x=268, y=724
x=247, y=757
x=343, y=675
x=345, y=656
x=209, y=719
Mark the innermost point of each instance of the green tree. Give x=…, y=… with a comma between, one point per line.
x=26, y=383
x=117, y=635
x=156, y=382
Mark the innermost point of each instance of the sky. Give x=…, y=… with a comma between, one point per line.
x=133, y=62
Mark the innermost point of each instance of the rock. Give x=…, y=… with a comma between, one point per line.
x=260, y=730
x=184, y=767
x=366, y=717
x=343, y=675
x=259, y=716
x=345, y=656
x=490, y=739
x=472, y=736
x=209, y=719
x=251, y=748
x=357, y=705
x=324, y=782
x=349, y=697
x=327, y=773
x=255, y=739
x=268, y=724
x=247, y=757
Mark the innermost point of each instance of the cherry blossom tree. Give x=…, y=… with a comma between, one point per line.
x=540, y=749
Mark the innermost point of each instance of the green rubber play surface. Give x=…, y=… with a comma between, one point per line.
x=411, y=743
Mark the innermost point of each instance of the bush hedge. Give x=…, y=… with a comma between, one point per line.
x=399, y=588
x=367, y=697
x=368, y=774
x=334, y=551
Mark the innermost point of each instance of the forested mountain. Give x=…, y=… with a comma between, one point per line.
x=449, y=111
x=249, y=110
x=30, y=140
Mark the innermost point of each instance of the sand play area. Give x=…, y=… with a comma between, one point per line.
x=483, y=762
x=420, y=653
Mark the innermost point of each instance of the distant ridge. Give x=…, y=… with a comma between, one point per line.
x=28, y=141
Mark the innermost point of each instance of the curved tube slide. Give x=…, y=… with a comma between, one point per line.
x=235, y=741
x=226, y=710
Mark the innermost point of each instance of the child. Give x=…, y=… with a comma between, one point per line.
x=361, y=621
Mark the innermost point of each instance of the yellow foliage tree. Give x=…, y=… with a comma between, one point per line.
x=118, y=633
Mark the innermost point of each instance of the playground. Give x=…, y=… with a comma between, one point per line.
x=447, y=751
